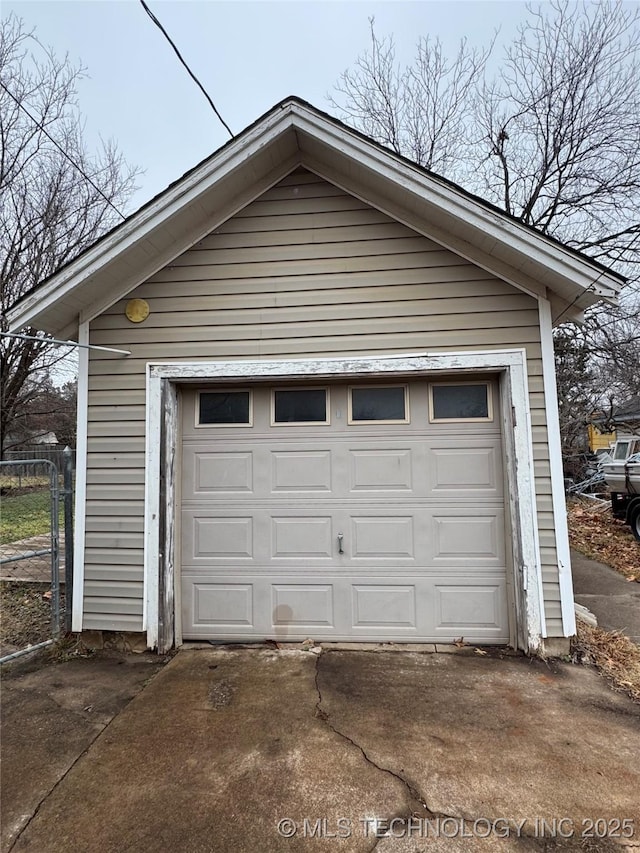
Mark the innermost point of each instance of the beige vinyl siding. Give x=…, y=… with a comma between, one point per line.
x=305, y=270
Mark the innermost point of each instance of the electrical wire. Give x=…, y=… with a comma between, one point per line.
x=189, y=71
x=596, y=280
x=62, y=151
x=230, y=132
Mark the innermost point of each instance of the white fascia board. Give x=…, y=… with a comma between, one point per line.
x=141, y=225
x=164, y=257
x=446, y=239
x=557, y=475
x=470, y=213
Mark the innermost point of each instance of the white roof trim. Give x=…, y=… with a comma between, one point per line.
x=467, y=210
x=471, y=216
x=142, y=224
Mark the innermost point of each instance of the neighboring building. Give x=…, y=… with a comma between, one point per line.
x=600, y=438
x=626, y=417
x=335, y=415
x=48, y=439
x=24, y=441
x=622, y=421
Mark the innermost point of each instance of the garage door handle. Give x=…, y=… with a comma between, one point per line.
x=340, y=538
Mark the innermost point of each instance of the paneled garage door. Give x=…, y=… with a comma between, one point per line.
x=339, y=512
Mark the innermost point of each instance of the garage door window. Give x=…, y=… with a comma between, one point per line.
x=381, y=405
x=459, y=401
x=222, y=408
x=299, y=406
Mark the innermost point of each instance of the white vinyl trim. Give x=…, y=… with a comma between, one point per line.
x=478, y=226
x=521, y=474
x=472, y=215
x=532, y=529
x=567, y=604
x=152, y=509
x=80, y=511
x=331, y=366
x=142, y=223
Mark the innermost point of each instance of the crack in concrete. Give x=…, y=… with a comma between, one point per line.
x=429, y=813
x=412, y=790
x=101, y=731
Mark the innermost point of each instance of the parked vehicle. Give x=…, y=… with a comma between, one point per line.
x=622, y=476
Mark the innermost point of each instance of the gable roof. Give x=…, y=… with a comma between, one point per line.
x=290, y=135
x=627, y=412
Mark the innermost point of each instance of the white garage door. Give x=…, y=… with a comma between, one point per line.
x=338, y=512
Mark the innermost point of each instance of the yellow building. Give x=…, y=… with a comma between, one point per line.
x=599, y=440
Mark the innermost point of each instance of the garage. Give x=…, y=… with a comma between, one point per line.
x=317, y=398
x=362, y=511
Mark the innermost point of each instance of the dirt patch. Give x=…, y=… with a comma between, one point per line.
x=26, y=615
x=594, y=532
x=16, y=491
x=614, y=655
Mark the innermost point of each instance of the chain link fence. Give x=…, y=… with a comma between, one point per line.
x=36, y=534
x=55, y=454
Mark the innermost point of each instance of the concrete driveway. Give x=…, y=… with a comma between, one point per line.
x=613, y=599
x=291, y=750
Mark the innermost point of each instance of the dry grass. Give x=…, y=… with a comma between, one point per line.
x=597, y=534
x=26, y=615
x=594, y=532
x=615, y=656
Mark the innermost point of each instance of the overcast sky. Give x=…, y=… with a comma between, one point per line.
x=248, y=55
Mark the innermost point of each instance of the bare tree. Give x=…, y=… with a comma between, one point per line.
x=560, y=127
x=51, y=411
x=55, y=197
x=420, y=111
x=554, y=140
x=577, y=394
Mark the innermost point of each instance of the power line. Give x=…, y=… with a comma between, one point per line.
x=597, y=279
x=61, y=149
x=189, y=71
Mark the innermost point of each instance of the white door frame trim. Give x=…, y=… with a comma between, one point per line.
x=162, y=415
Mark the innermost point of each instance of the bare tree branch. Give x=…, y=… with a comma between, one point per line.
x=420, y=111
x=49, y=211
x=554, y=140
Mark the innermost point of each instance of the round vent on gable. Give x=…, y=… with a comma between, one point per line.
x=137, y=310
